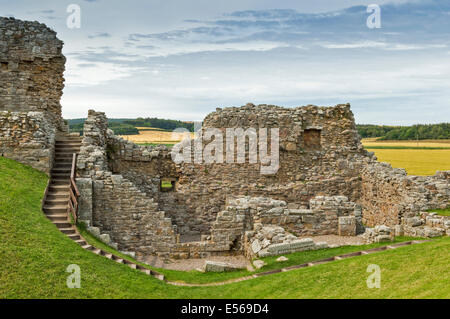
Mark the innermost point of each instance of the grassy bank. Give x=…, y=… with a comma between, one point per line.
x=35, y=255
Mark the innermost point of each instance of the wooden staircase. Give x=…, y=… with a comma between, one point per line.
x=60, y=203
x=58, y=195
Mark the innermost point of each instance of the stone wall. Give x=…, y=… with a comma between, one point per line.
x=31, y=68
x=27, y=137
x=389, y=195
x=322, y=218
x=31, y=84
x=330, y=168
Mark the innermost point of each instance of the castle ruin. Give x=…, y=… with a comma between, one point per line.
x=326, y=182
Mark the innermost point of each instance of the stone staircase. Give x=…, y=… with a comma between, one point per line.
x=56, y=200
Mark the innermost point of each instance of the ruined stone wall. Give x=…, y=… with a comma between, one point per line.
x=390, y=195
x=321, y=219
x=31, y=68
x=31, y=83
x=27, y=138
x=329, y=167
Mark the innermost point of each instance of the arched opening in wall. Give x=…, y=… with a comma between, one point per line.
x=167, y=184
x=311, y=139
x=3, y=66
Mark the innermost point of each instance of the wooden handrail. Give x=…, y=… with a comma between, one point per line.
x=73, y=190
x=45, y=194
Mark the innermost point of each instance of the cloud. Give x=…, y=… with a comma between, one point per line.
x=279, y=56
x=99, y=35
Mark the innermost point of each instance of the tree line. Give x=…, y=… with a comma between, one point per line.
x=128, y=126
x=414, y=132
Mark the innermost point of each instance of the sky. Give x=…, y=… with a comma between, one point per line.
x=181, y=59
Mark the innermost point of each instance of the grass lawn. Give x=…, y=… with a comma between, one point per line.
x=34, y=256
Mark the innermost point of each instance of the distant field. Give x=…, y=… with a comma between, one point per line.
x=418, y=158
x=372, y=142
x=148, y=135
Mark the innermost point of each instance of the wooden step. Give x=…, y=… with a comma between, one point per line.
x=60, y=171
x=63, y=156
x=55, y=211
x=56, y=201
x=60, y=181
x=62, y=224
x=61, y=175
x=62, y=150
x=63, y=164
x=73, y=143
x=81, y=242
x=75, y=237
x=57, y=217
x=58, y=196
x=68, y=230
x=58, y=188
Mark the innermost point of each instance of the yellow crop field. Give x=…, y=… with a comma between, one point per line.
x=421, y=143
x=156, y=137
x=414, y=161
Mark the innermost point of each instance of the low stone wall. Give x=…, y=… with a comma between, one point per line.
x=321, y=218
x=426, y=225
x=27, y=137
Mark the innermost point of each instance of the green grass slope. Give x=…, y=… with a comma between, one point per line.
x=34, y=257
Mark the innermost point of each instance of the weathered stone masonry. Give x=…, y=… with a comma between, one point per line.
x=31, y=83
